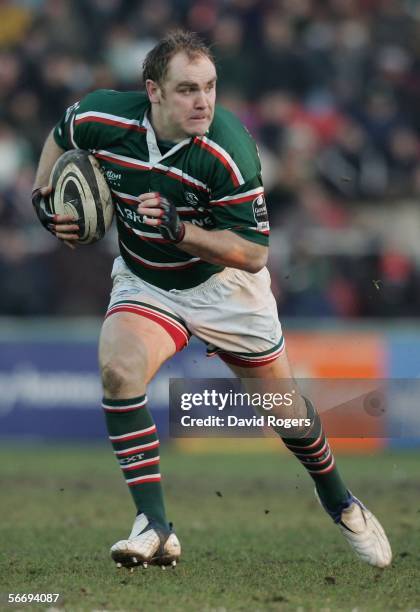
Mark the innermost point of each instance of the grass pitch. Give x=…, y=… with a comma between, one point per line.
x=252, y=533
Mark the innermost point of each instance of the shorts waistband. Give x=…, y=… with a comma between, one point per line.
x=214, y=281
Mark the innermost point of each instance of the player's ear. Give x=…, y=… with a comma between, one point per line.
x=153, y=91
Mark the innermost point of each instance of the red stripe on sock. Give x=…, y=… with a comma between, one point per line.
x=324, y=471
x=137, y=449
x=147, y=463
x=308, y=446
x=316, y=463
x=313, y=455
x=133, y=436
x=142, y=480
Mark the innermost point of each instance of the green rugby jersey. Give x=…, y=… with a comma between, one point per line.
x=214, y=180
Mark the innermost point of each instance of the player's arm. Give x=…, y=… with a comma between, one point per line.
x=62, y=226
x=224, y=248
x=49, y=155
x=221, y=247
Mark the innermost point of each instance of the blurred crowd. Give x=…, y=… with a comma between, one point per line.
x=330, y=89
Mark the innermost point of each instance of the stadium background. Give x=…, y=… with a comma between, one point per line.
x=331, y=92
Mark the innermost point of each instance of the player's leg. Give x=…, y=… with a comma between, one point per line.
x=132, y=348
x=238, y=311
x=310, y=446
x=131, y=351
x=236, y=315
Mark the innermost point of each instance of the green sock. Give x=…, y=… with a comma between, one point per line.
x=134, y=439
x=314, y=453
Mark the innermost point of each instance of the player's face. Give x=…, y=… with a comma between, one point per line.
x=183, y=105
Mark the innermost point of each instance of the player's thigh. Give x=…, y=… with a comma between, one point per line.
x=132, y=348
x=274, y=378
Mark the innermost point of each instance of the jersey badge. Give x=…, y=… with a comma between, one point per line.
x=259, y=209
x=192, y=200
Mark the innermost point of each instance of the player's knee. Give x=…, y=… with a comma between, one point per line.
x=299, y=421
x=120, y=372
x=290, y=415
x=113, y=379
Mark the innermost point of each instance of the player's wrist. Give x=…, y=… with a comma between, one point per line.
x=36, y=197
x=180, y=235
x=171, y=227
x=42, y=209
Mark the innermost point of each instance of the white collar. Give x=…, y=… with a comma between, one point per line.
x=155, y=156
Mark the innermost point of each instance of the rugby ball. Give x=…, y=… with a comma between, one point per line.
x=80, y=189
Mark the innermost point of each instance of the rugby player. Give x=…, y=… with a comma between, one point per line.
x=193, y=235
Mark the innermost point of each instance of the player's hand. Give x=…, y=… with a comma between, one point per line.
x=159, y=212
x=61, y=226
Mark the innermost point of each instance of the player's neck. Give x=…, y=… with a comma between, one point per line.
x=162, y=130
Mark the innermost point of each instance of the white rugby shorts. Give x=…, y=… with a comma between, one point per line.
x=234, y=312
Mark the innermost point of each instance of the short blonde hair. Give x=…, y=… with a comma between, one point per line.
x=155, y=65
